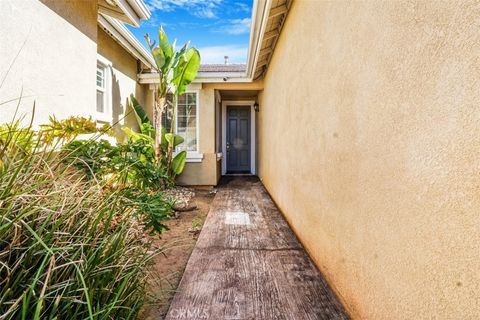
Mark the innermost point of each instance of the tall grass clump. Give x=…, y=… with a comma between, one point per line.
x=69, y=248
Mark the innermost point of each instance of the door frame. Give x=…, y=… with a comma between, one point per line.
x=253, y=123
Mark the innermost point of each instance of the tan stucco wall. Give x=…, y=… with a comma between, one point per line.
x=369, y=142
x=208, y=172
x=54, y=67
x=205, y=172
x=124, y=81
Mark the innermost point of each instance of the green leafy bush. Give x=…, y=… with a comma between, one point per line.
x=129, y=168
x=69, y=247
x=91, y=156
x=128, y=165
x=153, y=207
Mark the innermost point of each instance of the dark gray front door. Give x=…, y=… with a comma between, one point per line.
x=238, y=139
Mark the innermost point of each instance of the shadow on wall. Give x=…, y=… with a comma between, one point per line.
x=145, y=97
x=130, y=119
x=117, y=108
x=122, y=113
x=80, y=14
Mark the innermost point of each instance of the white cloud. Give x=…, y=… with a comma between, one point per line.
x=200, y=8
x=242, y=7
x=215, y=54
x=238, y=26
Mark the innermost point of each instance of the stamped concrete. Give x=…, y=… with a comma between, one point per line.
x=248, y=264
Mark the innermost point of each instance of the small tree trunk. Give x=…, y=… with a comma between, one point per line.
x=172, y=131
x=158, y=112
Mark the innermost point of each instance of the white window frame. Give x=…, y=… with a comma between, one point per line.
x=192, y=156
x=105, y=116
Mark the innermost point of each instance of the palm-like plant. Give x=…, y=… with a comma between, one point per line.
x=176, y=70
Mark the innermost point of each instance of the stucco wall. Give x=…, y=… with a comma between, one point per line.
x=124, y=81
x=369, y=142
x=49, y=46
x=204, y=172
x=208, y=171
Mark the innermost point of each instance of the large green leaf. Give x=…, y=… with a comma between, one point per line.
x=173, y=139
x=165, y=45
x=193, y=64
x=135, y=136
x=186, y=70
x=159, y=57
x=140, y=114
x=178, y=163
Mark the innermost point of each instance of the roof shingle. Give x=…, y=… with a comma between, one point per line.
x=223, y=67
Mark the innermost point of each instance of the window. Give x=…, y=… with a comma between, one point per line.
x=186, y=121
x=103, y=83
x=101, y=88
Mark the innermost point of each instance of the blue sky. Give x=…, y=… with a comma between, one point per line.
x=216, y=27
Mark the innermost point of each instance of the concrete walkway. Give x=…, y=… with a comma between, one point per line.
x=247, y=264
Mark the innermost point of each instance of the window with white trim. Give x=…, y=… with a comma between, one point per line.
x=101, y=88
x=186, y=120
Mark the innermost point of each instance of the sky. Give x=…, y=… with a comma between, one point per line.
x=217, y=28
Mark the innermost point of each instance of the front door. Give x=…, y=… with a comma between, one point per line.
x=238, y=139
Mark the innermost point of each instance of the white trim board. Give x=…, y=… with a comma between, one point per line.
x=193, y=156
x=128, y=11
x=253, y=121
x=126, y=39
x=107, y=114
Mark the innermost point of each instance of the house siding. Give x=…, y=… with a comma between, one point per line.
x=55, y=68
x=369, y=140
x=204, y=172
x=124, y=82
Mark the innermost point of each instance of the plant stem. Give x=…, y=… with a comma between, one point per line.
x=159, y=109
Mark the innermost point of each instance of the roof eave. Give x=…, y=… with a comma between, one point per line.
x=135, y=10
x=202, y=77
x=261, y=9
x=122, y=35
x=128, y=11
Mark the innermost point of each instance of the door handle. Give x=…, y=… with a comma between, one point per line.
x=228, y=145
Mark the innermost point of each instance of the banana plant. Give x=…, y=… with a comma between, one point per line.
x=176, y=164
x=176, y=70
x=168, y=140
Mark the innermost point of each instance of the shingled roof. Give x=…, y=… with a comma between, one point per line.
x=223, y=67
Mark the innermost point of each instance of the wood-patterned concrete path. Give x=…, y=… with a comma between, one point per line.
x=248, y=264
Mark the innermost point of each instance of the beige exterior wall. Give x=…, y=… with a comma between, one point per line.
x=369, y=142
x=208, y=171
x=204, y=172
x=123, y=82
x=50, y=47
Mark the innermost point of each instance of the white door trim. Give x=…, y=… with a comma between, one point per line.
x=253, y=120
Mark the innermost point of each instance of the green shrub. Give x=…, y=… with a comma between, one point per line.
x=91, y=156
x=152, y=207
x=128, y=168
x=69, y=247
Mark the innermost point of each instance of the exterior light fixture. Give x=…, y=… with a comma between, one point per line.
x=256, y=107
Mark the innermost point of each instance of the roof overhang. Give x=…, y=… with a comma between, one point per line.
x=128, y=11
x=267, y=23
x=202, y=77
x=126, y=39
x=259, y=22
